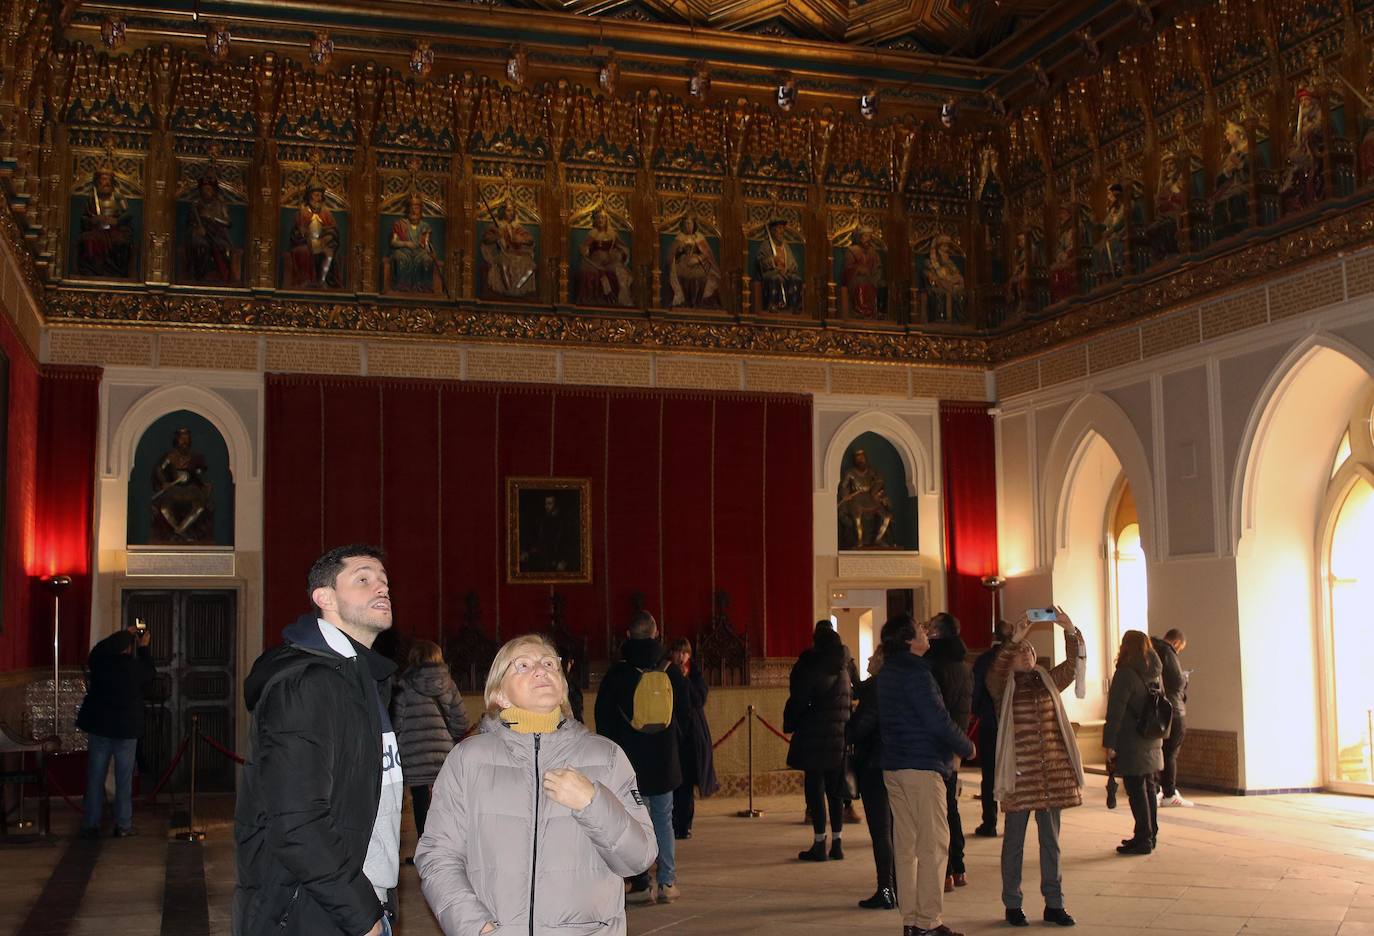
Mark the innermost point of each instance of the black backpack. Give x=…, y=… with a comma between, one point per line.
x=1156, y=715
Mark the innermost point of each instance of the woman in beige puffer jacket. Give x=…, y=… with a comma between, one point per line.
x=535, y=821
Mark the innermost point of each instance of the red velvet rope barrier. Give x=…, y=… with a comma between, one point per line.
x=58, y=790
x=167, y=774
x=733, y=729
x=763, y=721
x=222, y=749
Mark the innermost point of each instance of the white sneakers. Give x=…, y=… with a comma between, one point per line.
x=1175, y=800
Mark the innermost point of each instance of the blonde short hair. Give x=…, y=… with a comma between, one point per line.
x=506, y=655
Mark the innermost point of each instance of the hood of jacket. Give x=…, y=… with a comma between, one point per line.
x=644, y=653
x=947, y=649
x=427, y=679
x=304, y=645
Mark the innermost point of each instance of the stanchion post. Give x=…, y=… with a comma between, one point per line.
x=192, y=834
x=751, y=812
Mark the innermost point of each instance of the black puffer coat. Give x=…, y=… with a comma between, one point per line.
x=818, y=707
x=1175, y=679
x=946, y=657
x=863, y=731
x=429, y=719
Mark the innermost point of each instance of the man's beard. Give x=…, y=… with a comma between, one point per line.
x=365, y=618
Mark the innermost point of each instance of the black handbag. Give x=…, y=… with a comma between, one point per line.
x=1156, y=715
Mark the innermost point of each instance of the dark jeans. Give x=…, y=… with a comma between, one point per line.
x=1168, y=777
x=956, y=826
x=419, y=801
x=1140, y=789
x=987, y=762
x=822, y=787
x=873, y=790
x=684, y=808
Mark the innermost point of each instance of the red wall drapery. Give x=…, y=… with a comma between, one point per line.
x=691, y=492
x=69, y=408
x=21, y=492
x=968, y=463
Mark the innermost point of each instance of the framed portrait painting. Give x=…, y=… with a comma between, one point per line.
x=548, y=530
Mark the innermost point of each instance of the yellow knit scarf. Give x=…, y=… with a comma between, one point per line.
x=524, y=721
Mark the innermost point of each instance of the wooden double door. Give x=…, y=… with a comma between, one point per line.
x=193, y=636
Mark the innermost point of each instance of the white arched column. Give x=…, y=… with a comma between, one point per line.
x=1282, y=473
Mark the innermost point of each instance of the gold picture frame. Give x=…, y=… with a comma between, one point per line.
x=548, y=531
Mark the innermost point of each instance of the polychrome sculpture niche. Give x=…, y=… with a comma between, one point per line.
x=510, y=254
x=1171, y=204
x=1027, y=256
x=315, y=233
x=601, y=260
x=940, y=266
x=106, y=223
x=859, y=262
x=775, y=255
x=1109, y=242
x=181, y=491
x=412, y=249
x=873, y=508
x=211, y=224
x=691, y=273
x=1231, y=193
x=1304, y=178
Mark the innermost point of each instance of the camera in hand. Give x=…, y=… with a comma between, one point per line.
x=1036, y=615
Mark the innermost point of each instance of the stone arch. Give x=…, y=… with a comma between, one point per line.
x=1277, y=524
x=1093, y=416
x=152, y=406
x=916, y=459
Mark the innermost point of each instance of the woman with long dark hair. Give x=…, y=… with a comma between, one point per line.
x=1135, y=758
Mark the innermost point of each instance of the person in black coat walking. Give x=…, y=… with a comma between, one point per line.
x=121, y=670
x=694, y=743
x=866, y=739
x=1176, y=691
x=946, y=655
x=816, y=713
x=986, y=709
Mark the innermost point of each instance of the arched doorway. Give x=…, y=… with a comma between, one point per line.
x=1130, y=592
x=1348, y=593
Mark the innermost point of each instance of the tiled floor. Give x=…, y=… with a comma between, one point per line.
x=1301, y=865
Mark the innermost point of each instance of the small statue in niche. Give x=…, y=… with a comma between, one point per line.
x=183, y=504
x=944, y=276
x=314, y=242
x=1231, y=193
x=1304, y=182
x=1109, y=252
x=863, y=501
x=105, y=245
x=1064, y=269
x=693, y=274
x=863, y=275
x=211, y=256
x=415, y=267
x=1171, y=203
x=508, y=255
x=603, y=277
x=779, y=274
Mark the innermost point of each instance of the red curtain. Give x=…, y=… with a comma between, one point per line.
x=690, y=493
x=21, y=493
x=968, y=464
x=69, y=417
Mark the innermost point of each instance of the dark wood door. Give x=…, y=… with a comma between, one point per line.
x=192, y=641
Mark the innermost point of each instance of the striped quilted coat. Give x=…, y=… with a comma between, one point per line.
x=1045, y=776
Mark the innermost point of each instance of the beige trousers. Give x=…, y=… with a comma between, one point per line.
x=920, y=840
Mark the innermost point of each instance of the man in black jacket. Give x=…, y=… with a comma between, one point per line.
x=986, y=709
x=317, y=824
x=655, y=756
x=946, y=655
x=121, y=670
x=1176, y=691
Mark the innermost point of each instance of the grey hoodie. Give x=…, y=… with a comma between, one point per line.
x=497, y=849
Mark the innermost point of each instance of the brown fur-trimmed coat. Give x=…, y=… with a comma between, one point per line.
x=1045, y=777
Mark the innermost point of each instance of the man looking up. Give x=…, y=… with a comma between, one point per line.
x=317, y=823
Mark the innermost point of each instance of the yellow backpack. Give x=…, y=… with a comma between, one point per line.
x=653, y=702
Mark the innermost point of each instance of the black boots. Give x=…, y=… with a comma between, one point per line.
x=883, y=899
x=815, y=853
x=836, y=850
x=1058, y=915
x=1017, y=917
